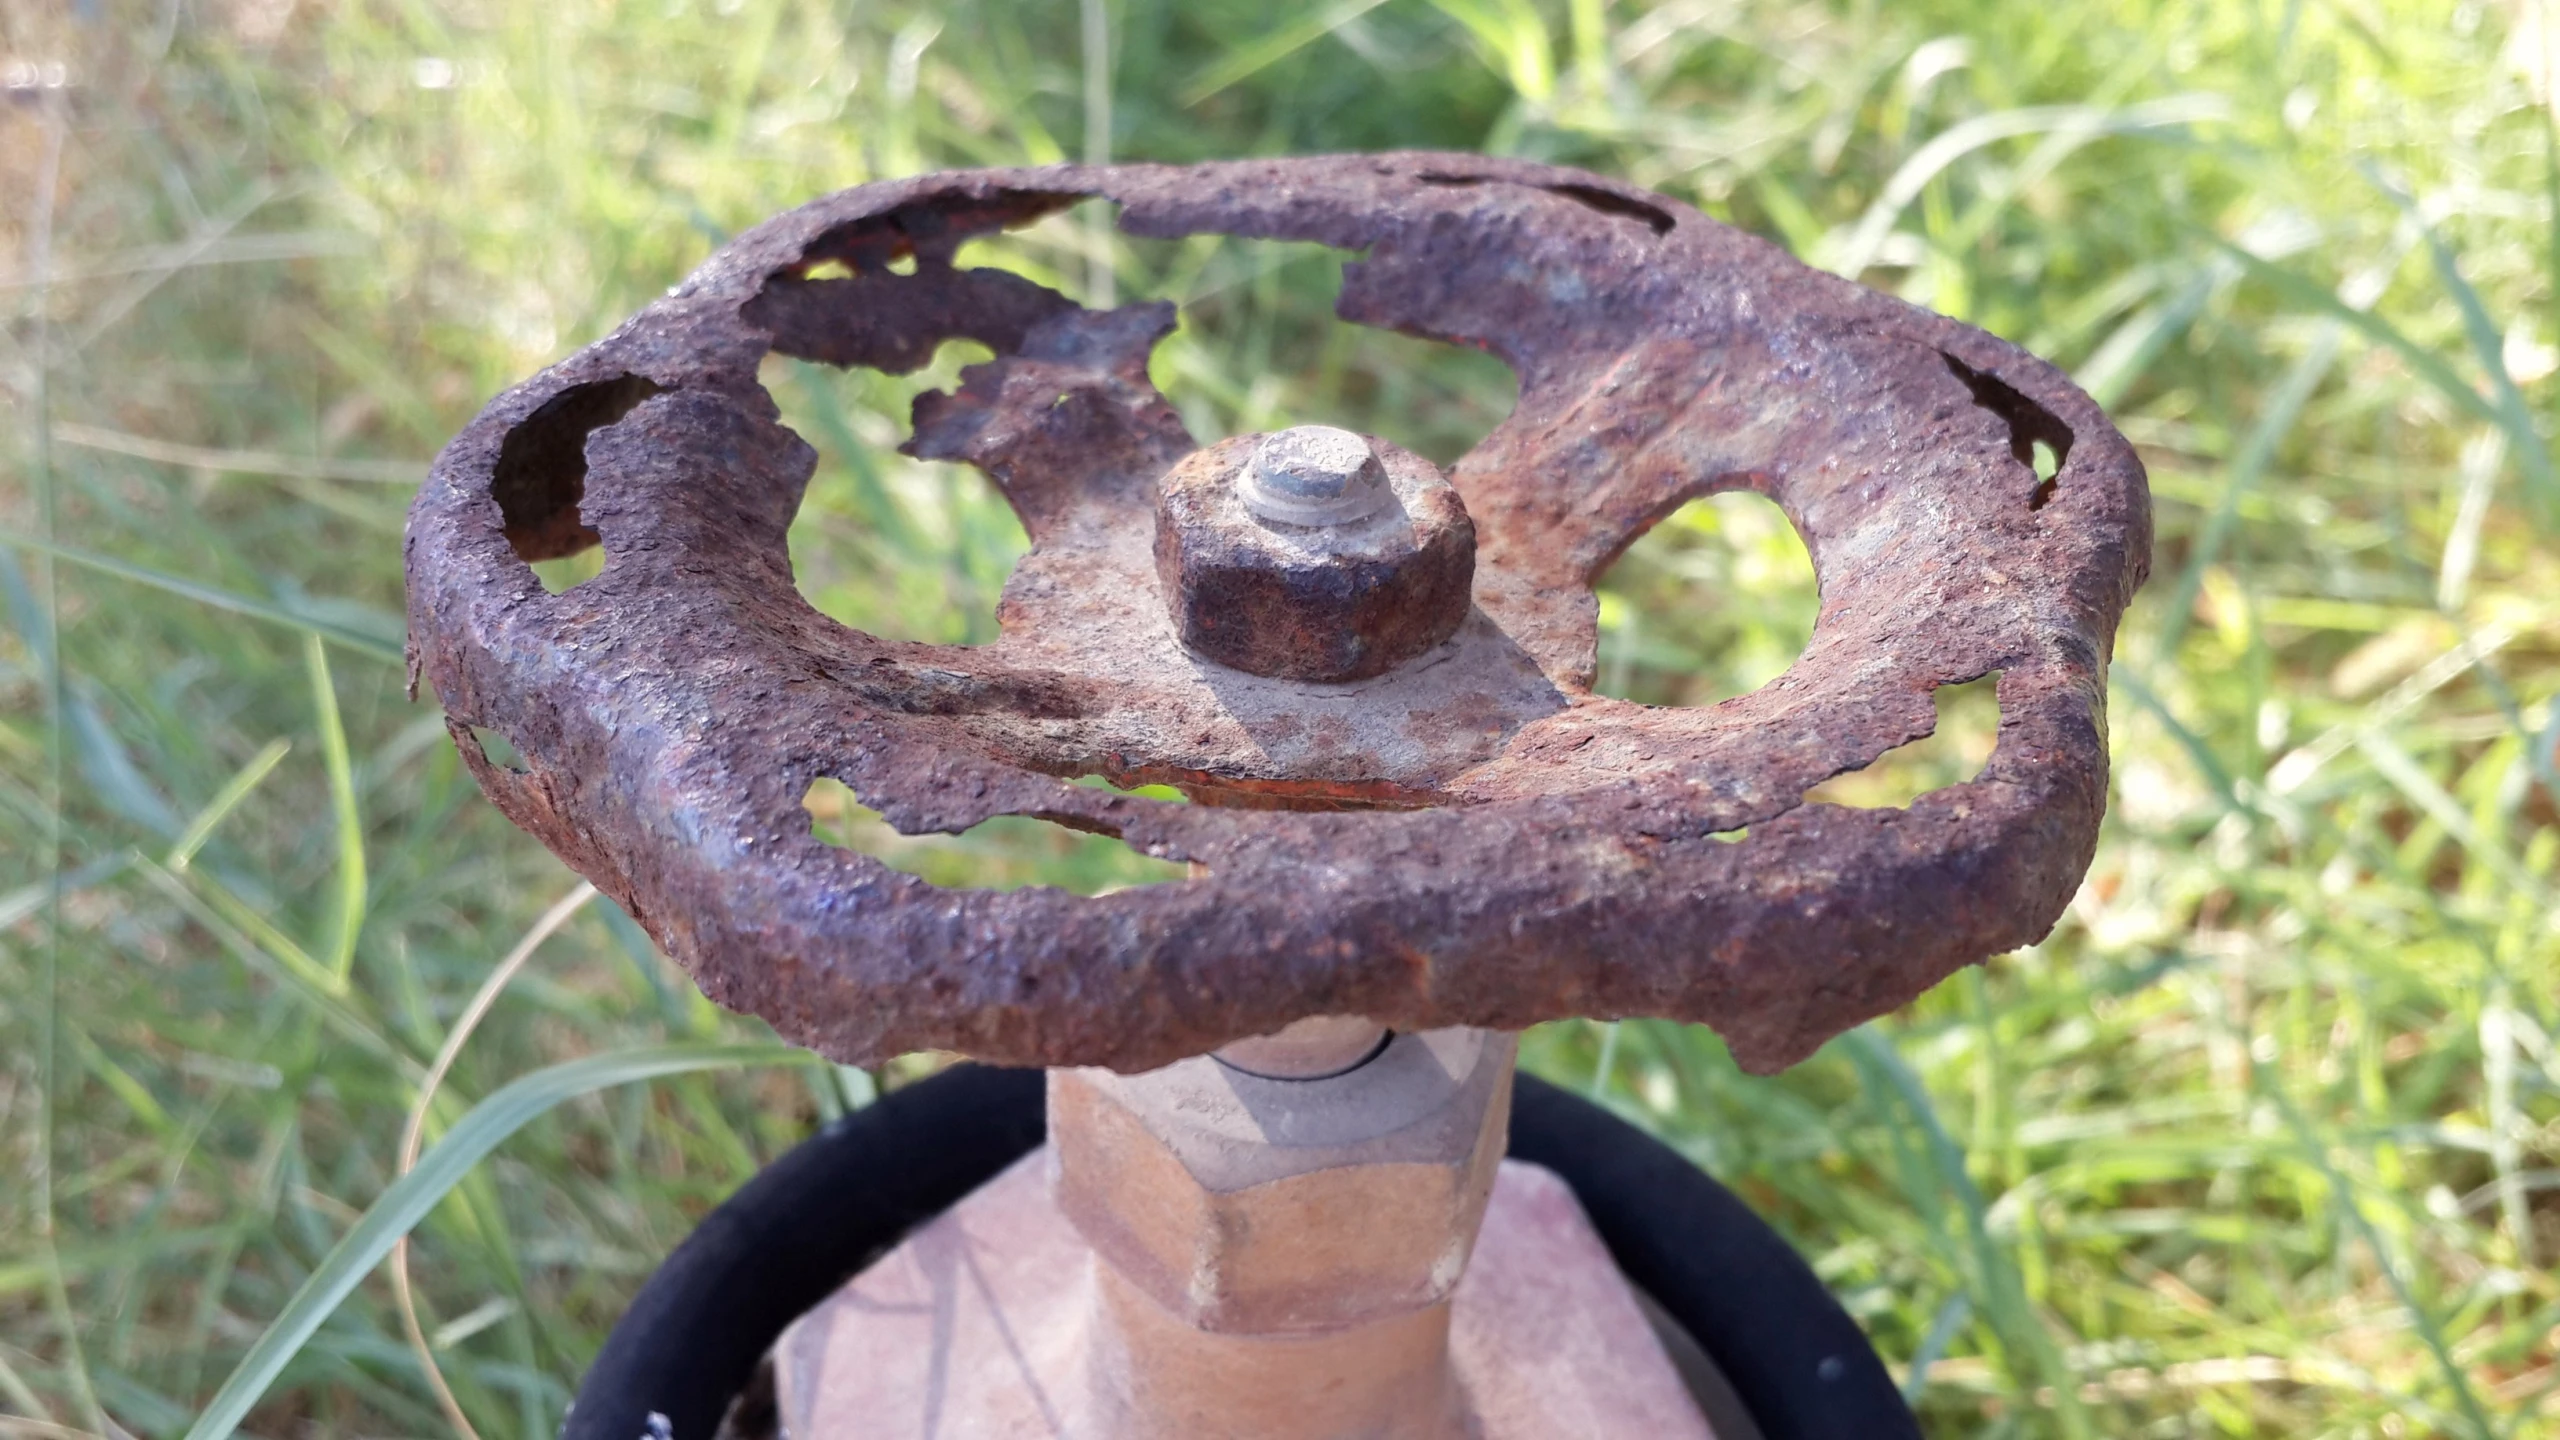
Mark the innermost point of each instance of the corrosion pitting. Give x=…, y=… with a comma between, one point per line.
x=1339, y=601
x=1472, y=838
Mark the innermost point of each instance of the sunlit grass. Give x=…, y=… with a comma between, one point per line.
x=1954, y=752
x=1715, y=601
x=1003, y=853
x=2260, y=1142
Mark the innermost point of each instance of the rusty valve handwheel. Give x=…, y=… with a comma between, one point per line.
x=1470, y=837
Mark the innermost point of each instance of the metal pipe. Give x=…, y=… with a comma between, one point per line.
x=1316, y=1048
x=1275, y=1257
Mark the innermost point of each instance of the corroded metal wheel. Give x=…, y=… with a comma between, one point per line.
x=1473, y=837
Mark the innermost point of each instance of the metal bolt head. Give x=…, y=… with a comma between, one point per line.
x=1253, y=1206
x=1314, y=475
x=1331, y=602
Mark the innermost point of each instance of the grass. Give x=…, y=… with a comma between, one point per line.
x=2264, y=1140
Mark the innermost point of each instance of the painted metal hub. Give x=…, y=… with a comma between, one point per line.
x=1469, y=837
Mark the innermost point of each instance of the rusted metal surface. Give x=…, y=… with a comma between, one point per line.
x=1346, y=601
x=1531, y=850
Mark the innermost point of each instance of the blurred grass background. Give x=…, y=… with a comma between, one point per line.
x=2263, y=1141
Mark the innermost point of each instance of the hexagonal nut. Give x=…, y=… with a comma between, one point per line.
x=1312, y=602
x=1269, y=1207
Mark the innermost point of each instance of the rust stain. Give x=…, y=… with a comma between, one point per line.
x=1472, y=838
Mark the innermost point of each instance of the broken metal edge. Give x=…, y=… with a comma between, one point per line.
x=1581, y=874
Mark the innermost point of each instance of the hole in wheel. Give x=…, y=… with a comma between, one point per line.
x=1716, y=600
x=1952, y=753
x=898, y=548
x=1007, y=852
x=541, y=475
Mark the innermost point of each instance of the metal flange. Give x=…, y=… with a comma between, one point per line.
x=1500, y=845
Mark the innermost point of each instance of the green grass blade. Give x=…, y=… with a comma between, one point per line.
x=2246, y=469
x=2411, y=780
x=1859, y=249
x=1284, y=40
x=240, y=462
x=2208, y=765
x=1943, y=1329
x=2003, y=1291
x=107, y=763
x=271, y=953
x=2430, y=1330
x=408, y=1200
x=121, y=1083
x=2488, y=347
x=38, y=408
x=18, y=904
x=346, y=913
x=875, y=507
x=1512, y=34
x=1606, y=1066
x=2524, y=438
x=182, y=852
x=2308, y=294
x=23, y=1396
x=2134, y=346
x=215, y=596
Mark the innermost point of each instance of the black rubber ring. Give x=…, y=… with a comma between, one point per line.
x=1797, y=1361
x=813, y=1219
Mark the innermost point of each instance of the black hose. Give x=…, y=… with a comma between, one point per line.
x=789, y=1238
x=1797, y=1361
